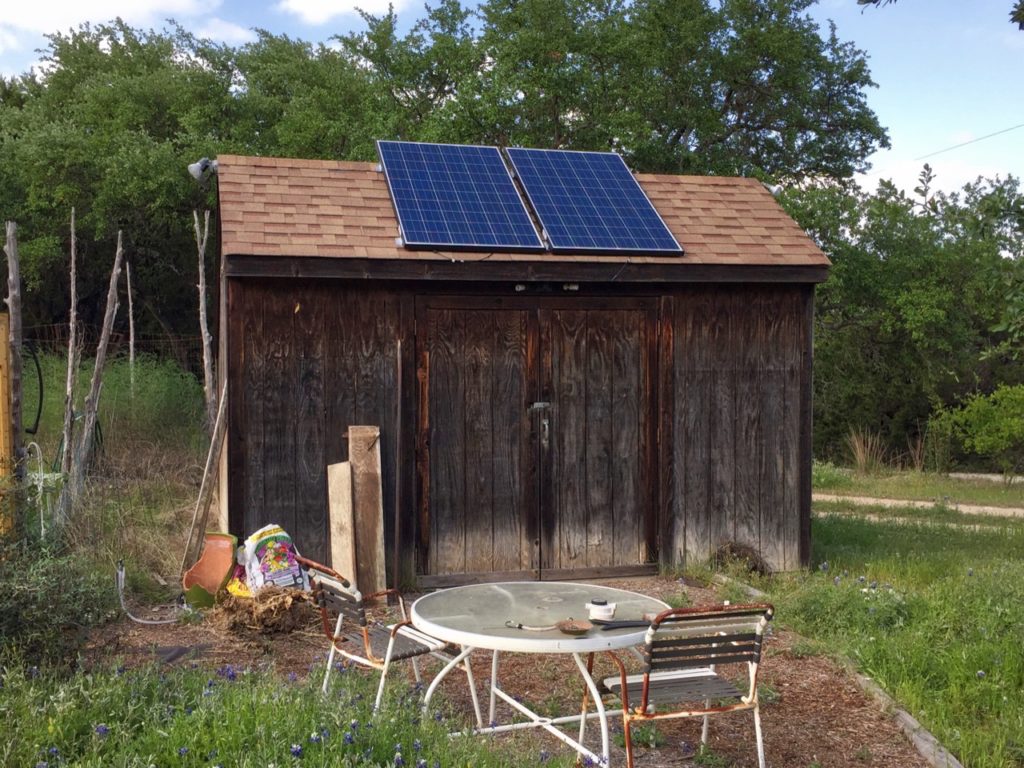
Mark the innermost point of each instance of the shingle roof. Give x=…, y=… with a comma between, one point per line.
x=285, y=207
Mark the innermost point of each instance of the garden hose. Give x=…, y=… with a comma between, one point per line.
x=119, y=579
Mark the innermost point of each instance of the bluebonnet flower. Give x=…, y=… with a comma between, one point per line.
x=228, y=673
x=861, y=579
x=53, y=751
x=296, y=750
x=836, y=581
x=349, y=737
x=416, y=745
x=315, y=738
x=421, y=763
x=211, y=754
x=292, y=677
x=325, y=733
x=544, y=756
x=438, y=716
x=399, y=760
x=824, y=566
x=981, y=674
x=182, y=751
x=354, y=725
x=210, y=683
x=101, y=730
x=42, y=764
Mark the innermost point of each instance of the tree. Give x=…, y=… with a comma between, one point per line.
x=905, y=322
x=1016, y=11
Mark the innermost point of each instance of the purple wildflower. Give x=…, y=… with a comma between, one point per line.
x=349, y=737
x=182, y=751
x=296, y=750
x=101, y=730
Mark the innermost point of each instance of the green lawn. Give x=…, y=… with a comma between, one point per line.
x=930, y=605
x=924, y=486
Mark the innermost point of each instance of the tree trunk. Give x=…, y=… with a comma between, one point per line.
x=209, y=388
x=14, y=308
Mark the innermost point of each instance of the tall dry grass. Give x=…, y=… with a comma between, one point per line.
x=867, y=451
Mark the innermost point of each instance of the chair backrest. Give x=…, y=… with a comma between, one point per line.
x=686, y=638
x=334, y=594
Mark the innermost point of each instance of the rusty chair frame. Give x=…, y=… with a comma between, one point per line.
x=681, y=651
x=367, y=643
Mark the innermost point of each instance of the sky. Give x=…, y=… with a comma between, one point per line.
x=948, y=71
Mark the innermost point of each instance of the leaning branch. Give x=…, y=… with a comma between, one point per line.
x=83, y=448
x=204, y=329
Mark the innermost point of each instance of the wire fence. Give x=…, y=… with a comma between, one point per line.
x=187, y=351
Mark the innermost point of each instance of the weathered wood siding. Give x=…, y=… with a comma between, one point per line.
x=305, y=361
x=740, y=419
x=679, y=420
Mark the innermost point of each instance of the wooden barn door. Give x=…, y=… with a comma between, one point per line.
x=533, y=436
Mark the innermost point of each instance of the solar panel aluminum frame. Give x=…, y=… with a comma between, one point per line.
x=596, y=250
x=538, y=246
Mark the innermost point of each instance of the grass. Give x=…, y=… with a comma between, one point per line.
x=929, y=606
x=197, y=717
x=924, y=486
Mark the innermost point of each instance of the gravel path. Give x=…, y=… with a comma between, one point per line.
x=967, y=509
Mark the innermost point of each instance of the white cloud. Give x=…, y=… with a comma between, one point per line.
x=225, y=31
x=317, y=12
x=60, y=15
x=8, y=41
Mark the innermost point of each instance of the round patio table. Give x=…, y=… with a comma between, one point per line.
x=519, y=617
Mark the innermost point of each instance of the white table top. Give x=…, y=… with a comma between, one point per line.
x=475, y=615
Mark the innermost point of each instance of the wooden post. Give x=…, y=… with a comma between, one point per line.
x=14, y=309
x=131, y=331
x=6, y=431
x=69, y=393
x=339, y=513
x=368, y=507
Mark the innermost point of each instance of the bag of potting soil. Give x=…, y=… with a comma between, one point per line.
x=269, y=558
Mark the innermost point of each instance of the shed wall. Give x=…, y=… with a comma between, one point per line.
x=306, y=359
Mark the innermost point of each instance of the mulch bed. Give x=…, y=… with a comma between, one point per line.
x=816, y=715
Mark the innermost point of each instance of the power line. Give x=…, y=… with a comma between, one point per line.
x=972, y=141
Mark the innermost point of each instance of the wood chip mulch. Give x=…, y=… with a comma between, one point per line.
x=815, y=714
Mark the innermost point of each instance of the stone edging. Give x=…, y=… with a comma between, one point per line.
x=926, y=744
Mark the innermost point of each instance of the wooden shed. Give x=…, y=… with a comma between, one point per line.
x=542, y=416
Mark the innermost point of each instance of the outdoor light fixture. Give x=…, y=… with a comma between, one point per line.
x=202, y=169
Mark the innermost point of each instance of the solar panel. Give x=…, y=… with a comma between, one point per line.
x=456, y=197
x=589, y=201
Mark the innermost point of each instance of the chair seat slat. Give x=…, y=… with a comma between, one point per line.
x=675, y=690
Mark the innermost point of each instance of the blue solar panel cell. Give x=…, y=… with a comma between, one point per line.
x=589, y=201
x=453, y=196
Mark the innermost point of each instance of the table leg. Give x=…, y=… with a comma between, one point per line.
x=602, y=715
x=452, y=664
x=492, y=713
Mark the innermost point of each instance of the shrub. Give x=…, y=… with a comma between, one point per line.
x=49, y=597
x=993, y=426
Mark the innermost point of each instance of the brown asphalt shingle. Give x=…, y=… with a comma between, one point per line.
x=286, y=207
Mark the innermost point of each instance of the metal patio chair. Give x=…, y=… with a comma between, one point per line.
x=367, y=643
x=681, y=652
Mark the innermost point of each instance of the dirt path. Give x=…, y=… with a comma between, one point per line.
x=967, y=509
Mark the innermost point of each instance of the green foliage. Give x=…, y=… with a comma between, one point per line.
x=929, y=610
x=993, y=426
x=239, y=717
x=904, y=324
x=49, y=598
